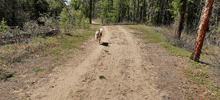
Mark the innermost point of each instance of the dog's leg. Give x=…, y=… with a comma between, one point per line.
x=99, y=38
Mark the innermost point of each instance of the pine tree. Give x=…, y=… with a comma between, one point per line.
x=180, y=20
x=63, y=19
x=202, y=30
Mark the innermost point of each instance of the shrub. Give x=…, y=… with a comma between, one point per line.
x=3, y=27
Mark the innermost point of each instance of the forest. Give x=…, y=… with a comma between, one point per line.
x=189, y=25
x=184, y=15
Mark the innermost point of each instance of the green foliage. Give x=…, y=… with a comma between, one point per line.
x=83, y=24
x=3, y=26
x=63, y=19
x=218, y=30
x=176, y=8
x=176, y=4
x=108, y=11
x=78, y=17
x=106, y=51
x=75, y=4
x=88, y=24
x=38, y=70
x=102, y=77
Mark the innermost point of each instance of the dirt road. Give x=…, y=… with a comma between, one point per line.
x=121, y=63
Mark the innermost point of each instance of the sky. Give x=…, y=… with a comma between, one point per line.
x=68, y=1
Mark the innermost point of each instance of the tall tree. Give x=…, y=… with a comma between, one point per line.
x=90, y=17
x=202, y=30
x=180, y=20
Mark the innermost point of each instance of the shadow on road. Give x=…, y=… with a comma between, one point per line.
x=105, y=43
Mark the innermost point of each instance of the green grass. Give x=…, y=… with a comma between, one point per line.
x=55, y=57
x=38, y=70
x=147, y=33
x=102, y=77
x=141, y=47
x=198, y=74
x=41, y=76
x=97, y=21
x=175, y=51
x=152, y=36
x=106, y=51
x=175, y=64
x=57, y=64
x=6, y=74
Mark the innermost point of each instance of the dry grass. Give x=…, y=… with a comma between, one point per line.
x=37, y=59
x=202, y=79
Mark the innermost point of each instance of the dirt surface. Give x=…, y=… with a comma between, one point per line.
x=124, y=67
x=121, y=63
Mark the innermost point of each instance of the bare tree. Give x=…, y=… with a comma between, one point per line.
x=202, y=30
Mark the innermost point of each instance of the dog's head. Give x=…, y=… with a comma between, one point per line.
x=101, y=30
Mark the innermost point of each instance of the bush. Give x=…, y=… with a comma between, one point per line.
x=3, y=27
x=63, y=19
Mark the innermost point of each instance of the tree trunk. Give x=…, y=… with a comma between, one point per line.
x=141, y=13
x=93, y=8
x=128, y=13
x=180, y=21
x=133, y=13
x=144, y=12
x=137, y=12
x=202, y=30
x=90, y=19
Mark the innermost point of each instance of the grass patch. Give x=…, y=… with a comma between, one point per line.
x=102, y=77
x=198, y=74
x=41, y=76
x=106, y=51
x=57, y=64
x=6, y=74
x=147, y=33
x=57, y=45
x=55, y=57
x=175, y=51
x=152, y=35
x=38, y=70
x=141, y=47
x=97, y=20
x=175, y=65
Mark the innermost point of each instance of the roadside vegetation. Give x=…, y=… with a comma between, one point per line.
x=58, y=47
x=202, y=77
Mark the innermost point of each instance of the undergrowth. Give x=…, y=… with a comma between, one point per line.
x=201, y=80
x=56, y=47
